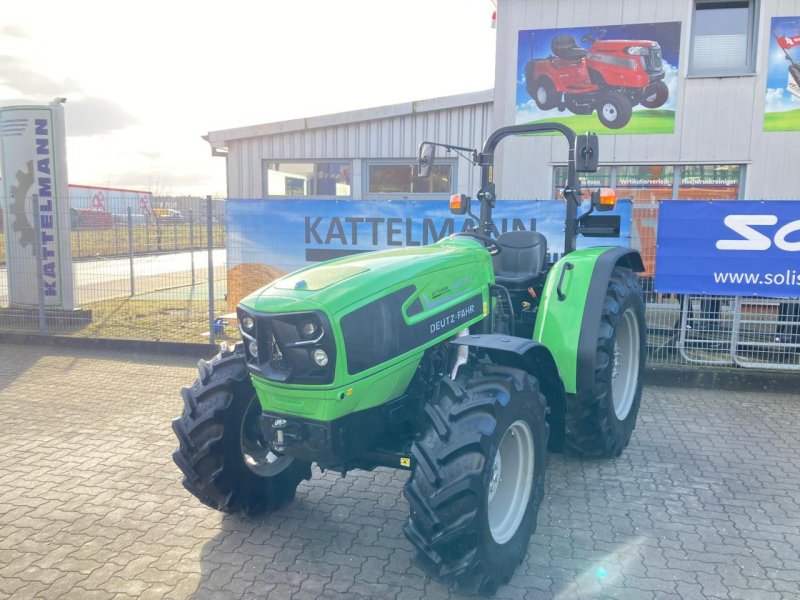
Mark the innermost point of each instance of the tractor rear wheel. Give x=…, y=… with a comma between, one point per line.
x=614, y=109
x=601, y=424
x=225, y=461
x=478, y=478
x=658, y=96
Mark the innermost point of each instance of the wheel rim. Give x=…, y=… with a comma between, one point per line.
x=651, y=98
x=625, y=370
x=257, y=455
x=511, y=481
x=610, y=111
x=541, y=95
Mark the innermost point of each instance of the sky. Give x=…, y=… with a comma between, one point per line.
x=145, y=80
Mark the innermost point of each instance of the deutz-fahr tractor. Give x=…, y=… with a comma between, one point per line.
x=460, y=362
x=611, y=77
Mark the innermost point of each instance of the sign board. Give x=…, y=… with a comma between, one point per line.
x=576, y=76
x=729, y=248
x=782, y=105
x=269, y=238
x=34, y=166
x=111, y=200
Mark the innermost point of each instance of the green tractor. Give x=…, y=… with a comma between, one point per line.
x=461, y=362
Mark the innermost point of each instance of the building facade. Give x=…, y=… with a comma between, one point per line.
x=363, y=154
x=726, y=130
x=718, y=144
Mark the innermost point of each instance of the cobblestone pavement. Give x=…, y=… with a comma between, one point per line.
x=703, y=504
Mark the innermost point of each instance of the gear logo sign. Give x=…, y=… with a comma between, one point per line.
x=19, y=213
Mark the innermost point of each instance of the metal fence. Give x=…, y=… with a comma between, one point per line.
x=166, y=279
x=134, y=276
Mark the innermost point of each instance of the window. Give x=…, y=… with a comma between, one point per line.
x=401, y=179
x=709, y=182
x=645, y=184
x=589, y=181
x=723, y=38
x=298, y=179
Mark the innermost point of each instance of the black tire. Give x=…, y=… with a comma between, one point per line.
x=448, y=492
x=545, y=94
x=600, y=424
x=657, y=97
x=219, y=425
x=614, y=109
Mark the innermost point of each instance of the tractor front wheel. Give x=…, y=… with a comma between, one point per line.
x=600, y=424
x=545, y=94
x=657, y=96
x=224, y=458
x=478, y=478
x=614, y=109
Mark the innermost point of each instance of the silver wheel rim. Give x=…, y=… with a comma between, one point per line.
x=610, y=111
x=625, y=369
x=511, y=481
x=257, y=455
x=541, y=95
x=651, y=97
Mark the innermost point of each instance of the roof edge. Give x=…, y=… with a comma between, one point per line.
x=223, y=136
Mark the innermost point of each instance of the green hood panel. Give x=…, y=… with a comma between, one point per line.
x=336, y=285
x=318, y=278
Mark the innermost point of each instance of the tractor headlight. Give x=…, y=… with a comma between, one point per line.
x=320, y=357
x=248, y=324
x=637, y=50
x=253, y=347
x=308, y=329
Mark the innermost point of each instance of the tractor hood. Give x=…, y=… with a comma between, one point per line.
x=337, y=285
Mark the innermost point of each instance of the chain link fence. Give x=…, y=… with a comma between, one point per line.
x=142, y=277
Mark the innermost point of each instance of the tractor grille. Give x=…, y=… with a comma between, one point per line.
x=276, y=348
x=278, y=365
x=653, y=62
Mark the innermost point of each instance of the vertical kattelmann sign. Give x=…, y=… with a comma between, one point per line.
x=34, y=169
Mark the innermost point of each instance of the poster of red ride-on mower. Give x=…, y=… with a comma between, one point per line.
x=782, y=106
x=610, y=79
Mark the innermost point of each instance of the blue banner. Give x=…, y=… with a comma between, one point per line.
x=729, y=248
x=269, y=238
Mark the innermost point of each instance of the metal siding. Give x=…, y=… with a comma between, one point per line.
x=718, y=119
x=388, y=137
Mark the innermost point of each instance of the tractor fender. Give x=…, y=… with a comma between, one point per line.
x=587, y=343
x=536, y=359
x=571, y=306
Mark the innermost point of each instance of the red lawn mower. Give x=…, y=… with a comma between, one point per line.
x=611, y=77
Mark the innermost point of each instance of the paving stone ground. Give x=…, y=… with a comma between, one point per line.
x=705, y=503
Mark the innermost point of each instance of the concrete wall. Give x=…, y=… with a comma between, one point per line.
x=718, y=119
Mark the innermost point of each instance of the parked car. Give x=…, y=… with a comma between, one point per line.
x=167, y=213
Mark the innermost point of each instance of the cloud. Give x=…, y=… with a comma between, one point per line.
x=13, y=31
x=779, y=100
x=19, y=76
x=671, y=79
x=95, y=116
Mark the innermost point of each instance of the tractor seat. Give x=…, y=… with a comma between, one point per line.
x=522, y=260
x=565, y=47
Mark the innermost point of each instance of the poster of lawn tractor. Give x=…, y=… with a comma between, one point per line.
x=782, y=107
x=609, y=79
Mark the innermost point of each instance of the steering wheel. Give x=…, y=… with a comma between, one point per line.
x=488, y=243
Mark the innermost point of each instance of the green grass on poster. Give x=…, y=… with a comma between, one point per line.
x=782, y=121
x=642, y=121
